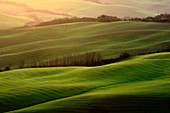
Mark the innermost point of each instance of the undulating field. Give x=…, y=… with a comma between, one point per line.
x=109, y=39
x=137, y=85
x=7, y=21
x=49, y=9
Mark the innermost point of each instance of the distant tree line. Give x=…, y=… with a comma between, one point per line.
x=158, y=18
x=102, y=18
x=105, y=18
x=86, y=59
x=5, y=69
x=67, y=20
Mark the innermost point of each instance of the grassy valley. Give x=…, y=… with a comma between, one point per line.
x=86, y=63
x=140, y=84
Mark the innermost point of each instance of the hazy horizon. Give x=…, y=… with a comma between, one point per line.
x=35, y=11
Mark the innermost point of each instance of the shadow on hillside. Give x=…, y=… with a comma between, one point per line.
x=121, y=104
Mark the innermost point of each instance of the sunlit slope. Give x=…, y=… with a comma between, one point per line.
x=24, y=10
x=7, y=21
x=137, y=85
x=158, y=6
x=82, y=8
x=109, y=39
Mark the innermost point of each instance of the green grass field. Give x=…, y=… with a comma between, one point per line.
x=138, y=85
x=109, y=39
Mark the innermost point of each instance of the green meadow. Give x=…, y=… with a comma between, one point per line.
x=138, y=85
x=108, y=39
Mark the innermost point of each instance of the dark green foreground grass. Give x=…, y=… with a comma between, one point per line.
x=138, y=85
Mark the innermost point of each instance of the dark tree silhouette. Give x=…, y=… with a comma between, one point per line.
x=158, y=18
x=124, y=55
x=67, y=20
x=6, y=69
x=105, y=18
x=1, y=70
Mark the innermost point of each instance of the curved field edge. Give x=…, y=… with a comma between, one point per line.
x=84, y=89
x=109, y=39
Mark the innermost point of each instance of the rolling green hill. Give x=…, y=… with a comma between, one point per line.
x=7, y=21
x=140, y=84
x=109, y=39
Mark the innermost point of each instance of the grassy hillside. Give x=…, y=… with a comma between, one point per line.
x=158, y=6
x=7, y=21
x=24, y=10
x=109, y=39
x=140, y=84
x=79, y=8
